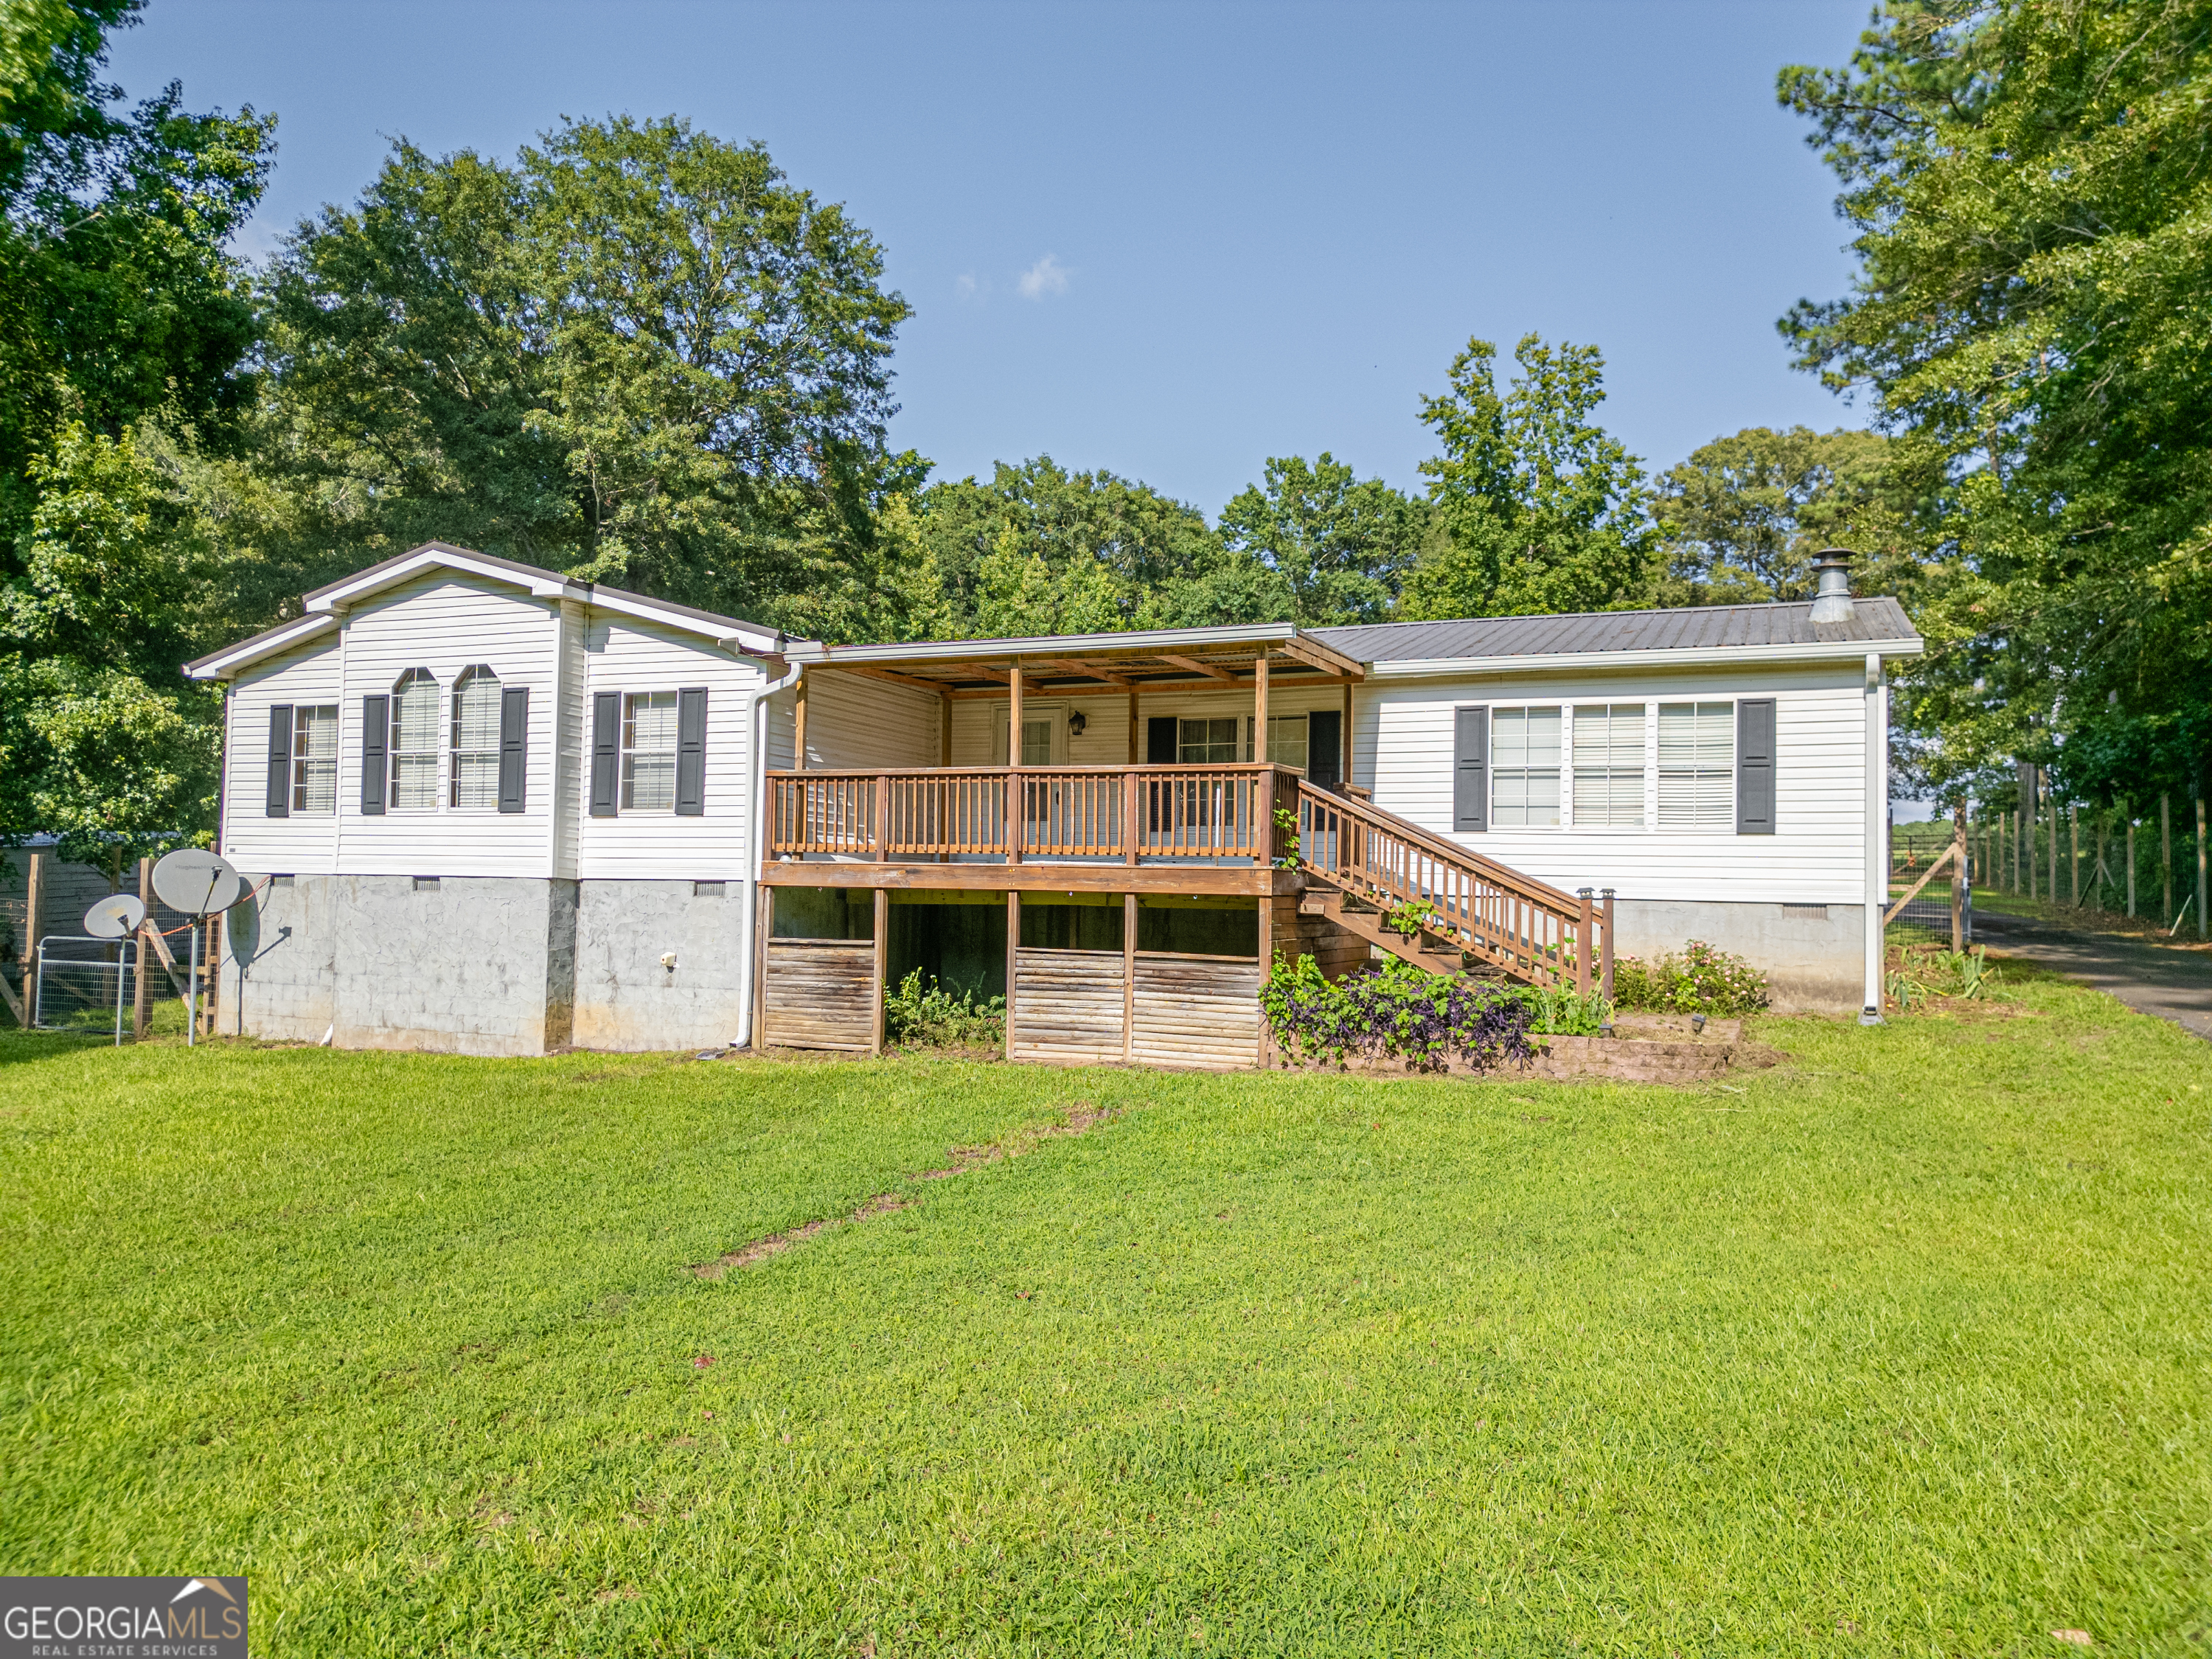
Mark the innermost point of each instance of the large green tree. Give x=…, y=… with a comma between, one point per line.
x=1740, y=521
x=1340, y=545
x=125, y=326
x=637, y=352
x=2031, y=186
x=1542, y=509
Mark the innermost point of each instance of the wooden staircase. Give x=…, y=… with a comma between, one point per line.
x=1467, y=914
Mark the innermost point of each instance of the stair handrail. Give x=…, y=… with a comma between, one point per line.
x=1500, y=875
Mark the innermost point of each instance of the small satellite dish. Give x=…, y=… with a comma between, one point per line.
x=195, y=883
x=116, y=916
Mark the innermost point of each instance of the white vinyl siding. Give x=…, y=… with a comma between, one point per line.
x=1402, y=748
x=315, y=759
x=1524, y=765
x=415, y=742
x=1697, y=766
x=859, y=724
x=304, y=843
x=1608, y=744
x=979, y=723
x=447, y=624
x=648, y=752
x=631, y=656
x=476, y=740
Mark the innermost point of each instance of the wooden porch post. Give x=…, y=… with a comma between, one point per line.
x=1344, y=760
x=1017, y=808
x=1014, y=952
x=1267, y=1044
x=944, y=729
x=1260, y=708
x=1582, y=945
x=798, y=726
x=760, y=972
x=883, y=959
x=1134, y=751
x=1132, y=808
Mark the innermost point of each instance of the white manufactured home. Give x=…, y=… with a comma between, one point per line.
x=488, y=808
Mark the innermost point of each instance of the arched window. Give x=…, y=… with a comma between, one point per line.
x=476, y=739
x=415, y=742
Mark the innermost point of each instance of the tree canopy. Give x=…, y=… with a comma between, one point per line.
x=2030, y=185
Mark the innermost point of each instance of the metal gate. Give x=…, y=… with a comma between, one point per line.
x=83, y=984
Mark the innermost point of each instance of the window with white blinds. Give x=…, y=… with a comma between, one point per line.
x=1697, y=766
x=1524, y=768
x=476, y=740
x=648, y=778
x=315, y=758
x=415, y=742
x=1609, y=765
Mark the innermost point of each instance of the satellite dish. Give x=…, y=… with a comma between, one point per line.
x=115, y=916
x=195, y=883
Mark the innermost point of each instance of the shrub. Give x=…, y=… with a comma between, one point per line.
x=1703, y=980
x=1560, y=1013
x=931, y=1017
x=1402, y=1012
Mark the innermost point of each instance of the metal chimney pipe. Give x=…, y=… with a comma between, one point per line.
x=1832, y=600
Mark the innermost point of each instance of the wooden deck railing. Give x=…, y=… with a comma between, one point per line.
x=1136, y=814
x=1529, y=929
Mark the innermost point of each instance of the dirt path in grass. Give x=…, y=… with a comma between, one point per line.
x=1081, y=1119
x=2175, y=985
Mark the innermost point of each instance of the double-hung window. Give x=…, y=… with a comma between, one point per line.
x=1524, y=768
x=315, y=758
x=476, y=740
x=648, y=761
x=1697, y=766
x=1286, y=741
x=1209, y=743
x=415, y=742
x=1609, y=765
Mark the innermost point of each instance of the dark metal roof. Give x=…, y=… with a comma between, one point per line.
x=1875, y=620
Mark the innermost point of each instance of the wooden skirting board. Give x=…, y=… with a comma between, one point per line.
x=820, y=993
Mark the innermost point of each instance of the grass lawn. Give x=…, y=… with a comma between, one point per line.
x=1901, y=1348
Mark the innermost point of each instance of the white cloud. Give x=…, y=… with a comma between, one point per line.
x=963, y=287
x=1047, y=276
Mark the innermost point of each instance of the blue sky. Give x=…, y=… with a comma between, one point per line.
x=1168, y=240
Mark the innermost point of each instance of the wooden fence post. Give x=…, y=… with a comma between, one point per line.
x=1605, y=956
x=2200, y=868
x=2074, y=850
x=2165, y=861
x=2132, y=864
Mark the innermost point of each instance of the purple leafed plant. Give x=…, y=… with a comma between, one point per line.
x=1402, y=1012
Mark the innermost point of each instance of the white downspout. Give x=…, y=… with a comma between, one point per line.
x=756, y=819
x=1877, y=837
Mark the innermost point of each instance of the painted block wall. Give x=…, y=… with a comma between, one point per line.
x=625, y=999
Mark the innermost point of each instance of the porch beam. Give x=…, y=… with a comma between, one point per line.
x=933, y=687
x=1229, y=880
x=1089, y=671
x=1314, y=654
x=1293, y=683
x=1193, y=665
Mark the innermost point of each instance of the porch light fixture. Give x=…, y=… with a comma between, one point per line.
x=1076, y=722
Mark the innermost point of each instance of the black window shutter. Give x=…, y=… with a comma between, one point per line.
x=280, y=760
x=1754, y=767
x=1160, y=740
x=514, y=733
x=1324, y=735
x=375, y=732
x=1471, y=768
x=691, y=751
x=606, y=752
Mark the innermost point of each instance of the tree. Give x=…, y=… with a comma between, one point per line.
x=1340, y=546
x=125, y=322
x=1740, y=521
x=1542, y=510
x=2029, y=183
x=638, y=354
x=1039, y=550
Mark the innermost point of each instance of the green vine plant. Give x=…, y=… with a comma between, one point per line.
x=1286, y=822
x=1409, y=916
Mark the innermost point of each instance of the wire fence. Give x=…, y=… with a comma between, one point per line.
x=84, y=985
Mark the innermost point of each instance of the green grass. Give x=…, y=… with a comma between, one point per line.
x=1900, y=1348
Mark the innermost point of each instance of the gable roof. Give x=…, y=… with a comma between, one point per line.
x=326, y=604
x=1775, y=632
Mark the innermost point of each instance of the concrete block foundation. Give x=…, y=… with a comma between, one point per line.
x=626, y=996
x=1812, y=955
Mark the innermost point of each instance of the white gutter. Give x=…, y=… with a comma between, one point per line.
x=1877, y=832
x=756, y=837
x=1047, y=645
x=1704, y=656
